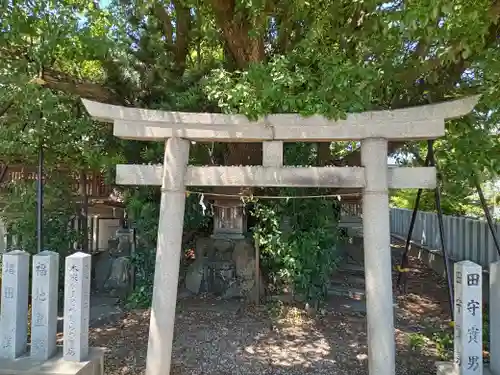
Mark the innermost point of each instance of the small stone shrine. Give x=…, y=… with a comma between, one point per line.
x=229, y=219
x=112, y=268
x=42, y=355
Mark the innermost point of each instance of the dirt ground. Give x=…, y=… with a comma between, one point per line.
x=216, y=337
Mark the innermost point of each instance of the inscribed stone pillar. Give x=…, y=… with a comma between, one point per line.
x=170, y=225
x=76, y=307
x=377, y=254
x=14, y=318
x=457, y=313
x=494, y=316
x=468, y=340
x=45, y=281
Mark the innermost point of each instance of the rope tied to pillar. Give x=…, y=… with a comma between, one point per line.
x=339, y=196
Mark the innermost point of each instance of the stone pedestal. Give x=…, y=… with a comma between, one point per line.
x=448, y=368
x=14, y=321
x=45, y=281
x=27, y=365
x=226, y=268
x=76, y=307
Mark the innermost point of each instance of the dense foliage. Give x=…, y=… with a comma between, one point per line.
x=299, y=243
x=252, y=57
x=298, y=238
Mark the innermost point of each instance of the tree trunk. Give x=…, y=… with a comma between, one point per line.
x=244, y=49
x=84, y=211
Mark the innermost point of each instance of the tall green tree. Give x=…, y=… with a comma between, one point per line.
x=326, y=57
x=252, y=57
x=257, y=57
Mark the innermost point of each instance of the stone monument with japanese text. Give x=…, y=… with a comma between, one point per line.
x=14, y=316
x=468, y=336
x=45, y=282
x=468, y=319
x=76, y=307
x=43, y=355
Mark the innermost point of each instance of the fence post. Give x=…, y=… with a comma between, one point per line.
x=467, y=239
x=475, y=239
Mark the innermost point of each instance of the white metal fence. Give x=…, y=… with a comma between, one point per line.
x=465, y=239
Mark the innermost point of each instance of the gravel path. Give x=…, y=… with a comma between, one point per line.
x=215, y=337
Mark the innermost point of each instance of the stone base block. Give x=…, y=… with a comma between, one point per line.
x=447, y=368
x=228, y=236
x=26, y=365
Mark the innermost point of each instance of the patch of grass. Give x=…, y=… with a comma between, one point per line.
x=275, y=310
x=281, y=313
x=417, y=341
x=444, y=344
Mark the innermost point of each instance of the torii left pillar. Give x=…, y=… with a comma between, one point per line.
x=170, y=226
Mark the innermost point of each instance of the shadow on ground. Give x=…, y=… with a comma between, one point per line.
x=215, y=337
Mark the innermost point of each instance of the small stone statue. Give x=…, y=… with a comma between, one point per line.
x=123, y=248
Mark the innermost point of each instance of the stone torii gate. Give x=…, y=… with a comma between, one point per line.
x=373, y=129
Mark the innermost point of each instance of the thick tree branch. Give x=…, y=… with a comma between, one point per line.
x=183, y=28
x=59, y=81
x=245, y=49
x=6, y=107
x=449, y=74
x=236, y=29
x=3, y=171
x=166, y=22
x=177, y=41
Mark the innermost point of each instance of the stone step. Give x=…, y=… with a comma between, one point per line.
x=352, y=268
x=347, y=305
x=346, y=291
x=354, y=258
x=348, y=279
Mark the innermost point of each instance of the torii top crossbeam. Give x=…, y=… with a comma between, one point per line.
x=422, y=122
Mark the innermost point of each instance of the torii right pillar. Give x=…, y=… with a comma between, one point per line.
x=377, y=254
